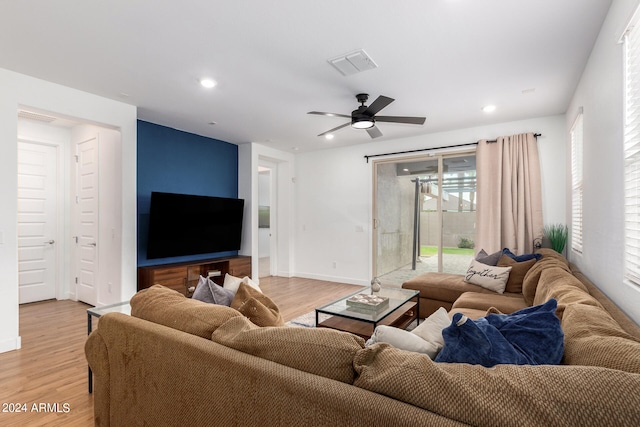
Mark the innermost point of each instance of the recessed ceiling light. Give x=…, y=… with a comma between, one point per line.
x=329, y=136
x=208, y=83
x=489, y=108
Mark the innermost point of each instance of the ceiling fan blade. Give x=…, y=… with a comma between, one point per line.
x=335, y=129
x=400, y=119
x=378, y=104
x=374, y=132
x=321, y=113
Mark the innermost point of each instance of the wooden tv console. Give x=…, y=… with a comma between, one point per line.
x=184, y=276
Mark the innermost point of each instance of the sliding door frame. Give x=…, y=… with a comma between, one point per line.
x=374, y=197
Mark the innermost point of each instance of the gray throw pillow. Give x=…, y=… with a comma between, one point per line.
x=492, y=259
x=208, y=291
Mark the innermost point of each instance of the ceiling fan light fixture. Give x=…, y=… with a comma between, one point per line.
x=207, y=83
x=362, y=122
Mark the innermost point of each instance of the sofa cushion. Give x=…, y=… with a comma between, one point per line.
x=506, y=395
x=405, y=340
x=256, y=306
x=593, y=338
x=442, y=286
x=471, y=313
x=548, y=253
x=531, y=279
x=232, y=283
x=557, y=283
x=531, y=336
x=425, y=338
x=167, y=307
x=488, y=277
x=210, y=292
x=321, y=351
x=431, y=328
x=518, y=271
x=628, y=325
x=505, y=303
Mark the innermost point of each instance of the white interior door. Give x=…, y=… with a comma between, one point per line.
x=87, y=221
x=37, y=221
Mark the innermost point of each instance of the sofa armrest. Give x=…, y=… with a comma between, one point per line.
x=97, y=356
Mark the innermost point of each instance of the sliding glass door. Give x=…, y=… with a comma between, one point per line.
x=424, y=216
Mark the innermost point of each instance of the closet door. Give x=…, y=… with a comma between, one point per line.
x=37, y=221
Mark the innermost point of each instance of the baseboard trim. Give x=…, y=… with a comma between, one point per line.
x=10, y=344
x=347, y=280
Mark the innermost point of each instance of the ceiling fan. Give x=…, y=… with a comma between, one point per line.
x=365, y=117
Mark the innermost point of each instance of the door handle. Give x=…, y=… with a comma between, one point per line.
x=50, y=242
x=92, y=244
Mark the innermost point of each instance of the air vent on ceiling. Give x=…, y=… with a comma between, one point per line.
x=29, y=115
x=353, y=62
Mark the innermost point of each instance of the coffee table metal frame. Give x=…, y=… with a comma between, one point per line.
x=404, y=307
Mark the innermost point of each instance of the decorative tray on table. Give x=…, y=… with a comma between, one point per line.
x=367, y=302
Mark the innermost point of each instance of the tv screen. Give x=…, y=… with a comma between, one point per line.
x=182, y=224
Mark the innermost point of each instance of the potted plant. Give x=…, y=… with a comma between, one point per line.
x=557, y=235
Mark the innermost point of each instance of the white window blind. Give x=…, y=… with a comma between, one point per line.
x=576, y=184
x=632, y=154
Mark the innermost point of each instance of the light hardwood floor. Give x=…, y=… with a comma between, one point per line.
x=50, y=368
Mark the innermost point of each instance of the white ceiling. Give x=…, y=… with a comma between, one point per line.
x=443, y=59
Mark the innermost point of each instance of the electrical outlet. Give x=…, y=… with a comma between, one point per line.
x=335, y=264
x=109, y=287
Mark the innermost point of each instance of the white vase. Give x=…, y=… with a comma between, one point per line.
x=375, y=285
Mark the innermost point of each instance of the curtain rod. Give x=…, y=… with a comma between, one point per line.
x=367, y=157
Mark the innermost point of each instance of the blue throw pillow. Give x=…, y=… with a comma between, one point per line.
x=531, y=336
x=520, y=258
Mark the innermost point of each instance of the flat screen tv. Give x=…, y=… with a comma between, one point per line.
x=182, y=224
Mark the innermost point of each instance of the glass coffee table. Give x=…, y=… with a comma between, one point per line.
x=403, y=308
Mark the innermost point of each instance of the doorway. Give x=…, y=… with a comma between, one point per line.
x=266, y=220
x=424, y=216
x=57, y=243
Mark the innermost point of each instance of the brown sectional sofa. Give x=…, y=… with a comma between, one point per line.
x=177, y=361
x=453, y=293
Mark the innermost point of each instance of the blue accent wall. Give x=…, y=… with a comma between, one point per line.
x=174, y=161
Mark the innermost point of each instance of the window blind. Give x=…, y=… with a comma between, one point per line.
x=576, y=184
x=632, y=154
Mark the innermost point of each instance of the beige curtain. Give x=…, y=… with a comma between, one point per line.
x=509, y=205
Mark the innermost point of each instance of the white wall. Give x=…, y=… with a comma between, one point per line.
x=601, y=94
x=333, y=193
x=20, y=90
